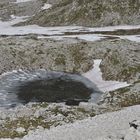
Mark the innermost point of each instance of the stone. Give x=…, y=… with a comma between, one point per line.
x=20, y=130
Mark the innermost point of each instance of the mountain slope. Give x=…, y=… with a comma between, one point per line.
x=89, y=13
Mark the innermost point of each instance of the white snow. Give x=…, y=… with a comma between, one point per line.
x=13, y=16
x=20, y=1
x=87, y=37
x=113, y=28
x=8, y=24
x=6, y=28
x=100, y=127
x=91, y=37
x=95, y=75
x=46, y=6
x=58, y=33
x=135, y=38
x=8, y=73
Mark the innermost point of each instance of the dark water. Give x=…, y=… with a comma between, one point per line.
x=42, y=86
x=53, y=90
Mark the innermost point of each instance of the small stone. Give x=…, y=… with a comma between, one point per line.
x=135, y=124
x=89, y=106
x=20, y=130
x=134, y=131
x=40, y=128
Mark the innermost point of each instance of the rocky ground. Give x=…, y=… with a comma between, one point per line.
x=43, y=53
x=76, y=58
x=9, y=8
x=119, y=52
x=31, y=53
x=89, y=13
x=100, y=127
x=43, y=115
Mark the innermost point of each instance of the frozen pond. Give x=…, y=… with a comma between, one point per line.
x=21, y=87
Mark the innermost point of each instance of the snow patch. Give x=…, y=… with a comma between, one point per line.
x=58, y=33
x=114, y=28
x=135, y=38
x=46, y=6
x=87, y=37
x=95, y=75
x=20, y=1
